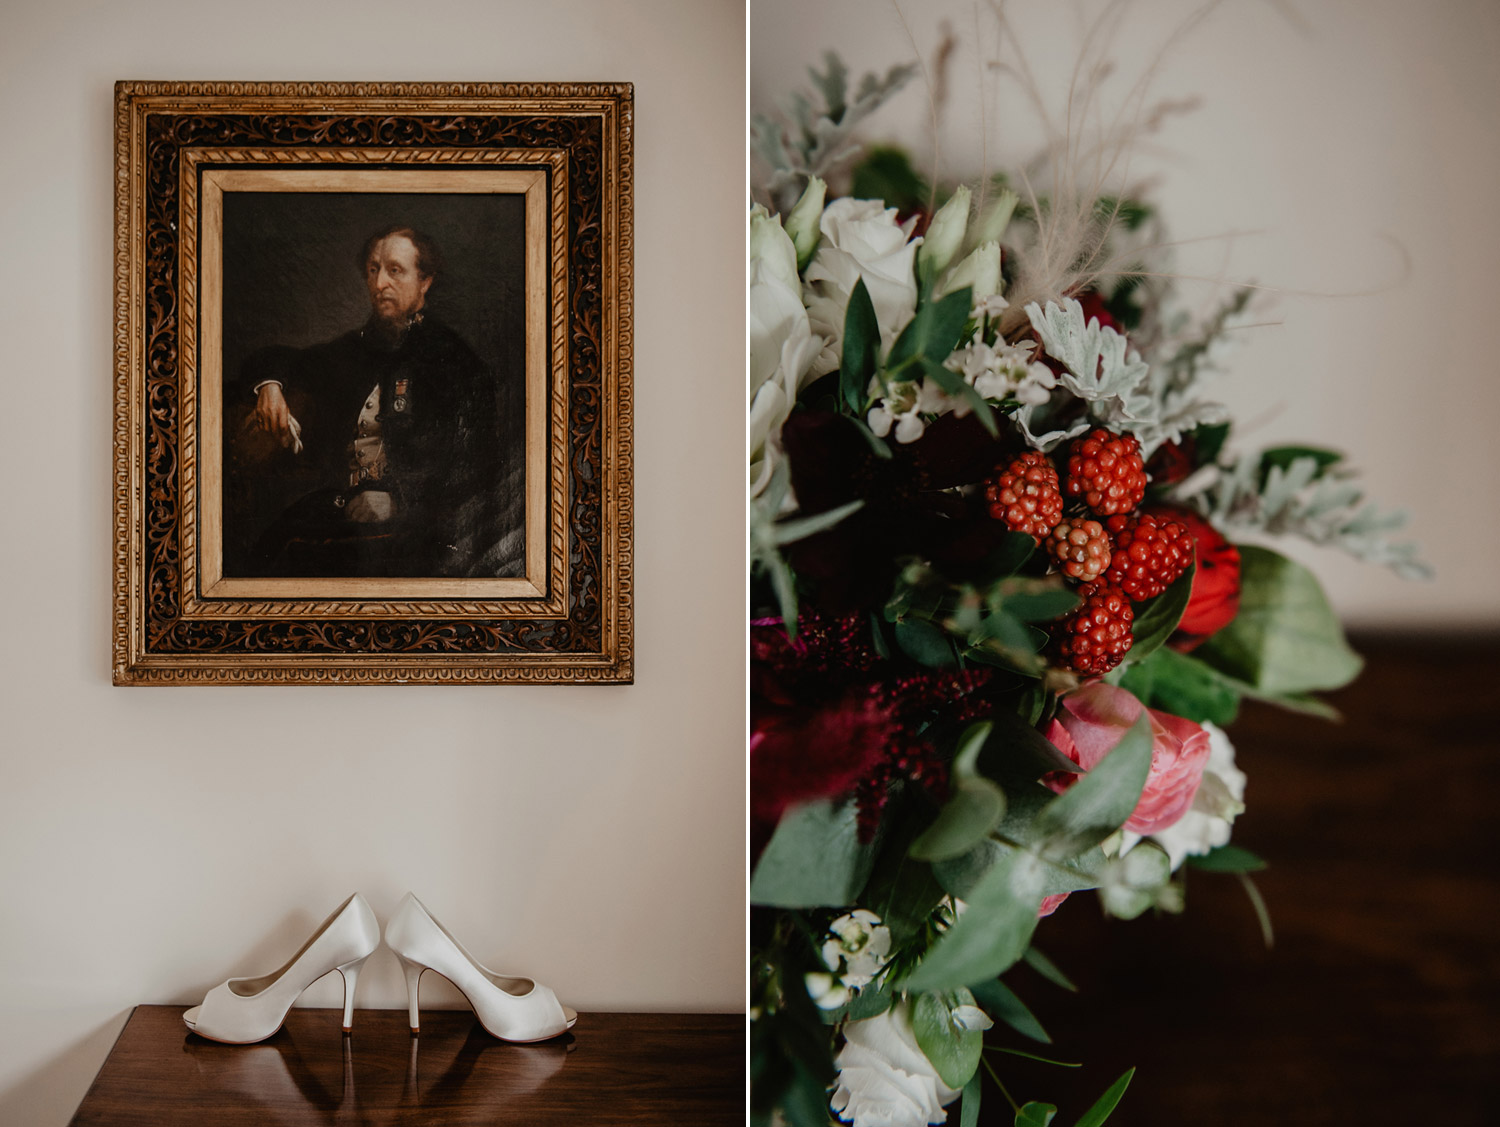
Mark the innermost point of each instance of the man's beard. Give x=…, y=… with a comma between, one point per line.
x=389, y=332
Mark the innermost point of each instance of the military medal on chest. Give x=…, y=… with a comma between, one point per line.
x=400, y=402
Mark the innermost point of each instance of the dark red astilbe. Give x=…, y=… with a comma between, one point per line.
x=829, y=717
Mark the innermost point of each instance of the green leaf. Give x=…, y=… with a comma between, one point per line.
x=1183, y=686
x=1284, y=456
x=1262, y=913
x=799, y=528
x=1014, y=750
x=1227, y=859
x=953, y=1050
x=1208, y=441
x=887, y=174
x=861, y=349
x=1285, y=640
x=925, y=643
x=1014, y=549
x=1035, y=1114
x=1041, y=606
x=1100, y=802
x=870, y=1002
x=1000, y=1002
x=1106, y=1103
x=970, y=814
x=935, y=330
x=814, y=860
x=1033, y=1056
x=992, y=933
x=968, y=1109
x=1155, y=619
x=1047, y=969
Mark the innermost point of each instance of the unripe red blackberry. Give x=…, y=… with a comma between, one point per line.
x=1026, y=495
x=1080, y=547
x=1105, y=472
x=1095, y=638
x=1150, y=552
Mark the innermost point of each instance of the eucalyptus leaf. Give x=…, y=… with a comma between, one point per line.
x=1156, y=618
x=1047, y=969
x=1014, y=549
x=1000, y=1002
x=1041, y=606
x=1227, y=859
x=968, y=1109
x=1106, y=1104
x=814, y=859
x=925, y=643
x=973, y=810
x=861, y=349
x=1184, y=686
x=1285, y=640
x=992, y=933
x=1101, y=801
x=951, y=1048
x=870, y=1002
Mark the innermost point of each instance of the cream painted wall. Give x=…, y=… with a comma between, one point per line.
x=154, y=842
x=1335, y=129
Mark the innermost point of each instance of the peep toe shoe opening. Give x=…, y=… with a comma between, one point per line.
x=510, y=1007
x=242, y=1011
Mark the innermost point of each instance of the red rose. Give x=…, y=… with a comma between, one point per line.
x=1215, y=597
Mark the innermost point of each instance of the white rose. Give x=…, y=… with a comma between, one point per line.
x=861, y=239
x=1220, y=798
x=885, y=1080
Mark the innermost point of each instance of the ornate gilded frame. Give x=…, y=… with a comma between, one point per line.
x=568, y=150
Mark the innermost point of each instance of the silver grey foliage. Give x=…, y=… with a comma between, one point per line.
x=818, y=138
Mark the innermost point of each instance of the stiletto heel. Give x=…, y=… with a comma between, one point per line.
x=350, y=974
x=242, y=1011
x=413, y=973
x=509, y=1007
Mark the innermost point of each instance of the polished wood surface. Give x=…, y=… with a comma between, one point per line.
x=612, y=1069
x=1380, y=1001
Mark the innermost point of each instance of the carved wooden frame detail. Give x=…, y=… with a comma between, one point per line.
x=570, y=619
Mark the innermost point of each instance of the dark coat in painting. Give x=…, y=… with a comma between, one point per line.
x=438, y=419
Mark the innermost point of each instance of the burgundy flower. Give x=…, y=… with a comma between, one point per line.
x=1215, y=597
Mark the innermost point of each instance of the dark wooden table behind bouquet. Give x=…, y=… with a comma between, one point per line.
x=1380, y=1001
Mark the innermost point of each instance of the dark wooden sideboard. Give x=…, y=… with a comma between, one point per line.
x=612, y=1069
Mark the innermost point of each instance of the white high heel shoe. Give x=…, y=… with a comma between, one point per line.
x=510, y=1008
x=245, y=1010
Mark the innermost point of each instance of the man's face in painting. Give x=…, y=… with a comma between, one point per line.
x=397, y=285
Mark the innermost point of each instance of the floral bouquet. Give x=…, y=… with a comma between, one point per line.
x=1009, y=587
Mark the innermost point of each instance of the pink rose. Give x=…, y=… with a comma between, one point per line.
x=1090, y=723
x=1050, y=904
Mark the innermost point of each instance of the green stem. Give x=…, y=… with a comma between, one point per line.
x=995, y=1076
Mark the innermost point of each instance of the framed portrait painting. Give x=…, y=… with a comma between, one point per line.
x=372, y=383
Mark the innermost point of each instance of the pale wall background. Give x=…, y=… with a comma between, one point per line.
x=154, y=842
x=1336, y=128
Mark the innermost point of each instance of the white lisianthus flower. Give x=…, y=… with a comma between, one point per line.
x=802, y=220
x=861, y=239
x=861, y=943
x=1208, y=821
x=980, y=270
x=885, y=1080
x=945, y=233
x=782, y=344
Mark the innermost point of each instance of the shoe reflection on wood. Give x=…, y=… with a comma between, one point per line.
x=278, y=1079
x=454, y=1065
x=510, y=1073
